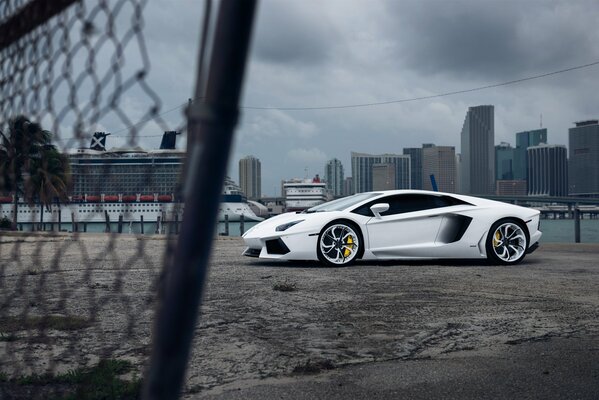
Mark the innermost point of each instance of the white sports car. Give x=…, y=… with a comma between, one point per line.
x=399, y=224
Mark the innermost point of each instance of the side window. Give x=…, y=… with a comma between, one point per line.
x=447, y=201
x=404, y=203
x=365, y=209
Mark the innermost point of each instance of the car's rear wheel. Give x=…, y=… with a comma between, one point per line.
x=339, y=244
x=507, y=242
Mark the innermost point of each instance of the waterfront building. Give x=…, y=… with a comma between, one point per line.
x=458, y=169
x=348, y=186
x=477, y=174
x=333, y=172
x=301, y=194
x=583, y=142
x=415, y=154
x=362, y=170
x=511, y=188
x=504, y=160
x=250, y=177
x=383, y=176
x=547, y=170
x=525, y=140
x=439, y=161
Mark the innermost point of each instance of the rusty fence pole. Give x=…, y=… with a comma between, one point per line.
x=211, y=123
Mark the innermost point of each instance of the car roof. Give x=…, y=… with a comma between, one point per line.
x=383, y=193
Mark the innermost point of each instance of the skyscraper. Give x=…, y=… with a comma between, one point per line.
x=439, y=161
x=383, y=176
x=361, y=166
x=547, y=170
x=525, y=140
x=477, y=175
x=504, y=162
x=250, y=177
x=333, y=172
x=415, y=154
x=583, y=143
x=348, y=186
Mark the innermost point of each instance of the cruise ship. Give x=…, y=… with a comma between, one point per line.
x=301, y=194
x=128, y=184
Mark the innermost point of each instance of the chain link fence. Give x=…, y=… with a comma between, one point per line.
x=76, y=307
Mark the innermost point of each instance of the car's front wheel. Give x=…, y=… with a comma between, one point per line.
x=507, y=242
x=339, y=244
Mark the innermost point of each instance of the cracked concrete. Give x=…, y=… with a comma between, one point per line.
x=250, y=334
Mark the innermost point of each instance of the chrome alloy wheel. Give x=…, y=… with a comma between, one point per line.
x=509, y=242
x=339, y=244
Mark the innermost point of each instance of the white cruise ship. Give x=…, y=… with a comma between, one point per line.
x=131, y=185
x=301, y=194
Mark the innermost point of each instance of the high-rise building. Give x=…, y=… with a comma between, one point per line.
x=477, y=175
x=361, y=166
x=415, y=154
x=383, y=176
x=333, y=172
x=348, y=186
x=439, y=161
x=250, y=177
x=504, y=160
x=547, y=170
x=525, y=140
x=583, y=142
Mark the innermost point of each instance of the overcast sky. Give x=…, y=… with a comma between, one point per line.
x=328, y=53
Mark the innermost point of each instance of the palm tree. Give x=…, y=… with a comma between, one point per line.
x=30, y=165
x=49, y=178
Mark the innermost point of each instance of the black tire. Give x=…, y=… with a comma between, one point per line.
x=507, y=242
x=339, y=244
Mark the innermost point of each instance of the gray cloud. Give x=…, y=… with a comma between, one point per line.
x=492, y=39
x=293, y=33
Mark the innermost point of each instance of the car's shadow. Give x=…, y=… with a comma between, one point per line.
x=386, y=263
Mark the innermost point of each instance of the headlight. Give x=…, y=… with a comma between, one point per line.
x=286, y=226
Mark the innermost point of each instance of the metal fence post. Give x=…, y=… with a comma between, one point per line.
x=211, y=124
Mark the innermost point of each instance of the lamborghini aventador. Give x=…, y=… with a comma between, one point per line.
x=399, y=224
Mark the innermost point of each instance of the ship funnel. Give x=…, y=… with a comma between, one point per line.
x=169, y=140
x=99, y=141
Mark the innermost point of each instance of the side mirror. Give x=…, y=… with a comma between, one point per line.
x=379, y=208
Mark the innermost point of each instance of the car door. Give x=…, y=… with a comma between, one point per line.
x=407, y=229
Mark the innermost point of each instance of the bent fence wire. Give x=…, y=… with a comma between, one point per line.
x=72, y=302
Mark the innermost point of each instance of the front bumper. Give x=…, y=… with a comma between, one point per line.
x=301, y=246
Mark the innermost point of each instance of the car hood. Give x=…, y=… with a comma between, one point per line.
x=310, y=222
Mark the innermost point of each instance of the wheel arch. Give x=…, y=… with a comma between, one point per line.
x=355, y=225
x=517, y=219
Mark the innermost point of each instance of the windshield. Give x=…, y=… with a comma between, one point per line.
x=343, y=203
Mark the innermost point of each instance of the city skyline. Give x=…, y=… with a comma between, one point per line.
x=506, y=159
x=533, y=137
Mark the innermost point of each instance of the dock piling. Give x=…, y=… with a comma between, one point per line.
x=226, y=232
x=576, y=225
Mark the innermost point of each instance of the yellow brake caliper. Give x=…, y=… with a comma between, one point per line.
x=496, y=239
x=347, y=251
